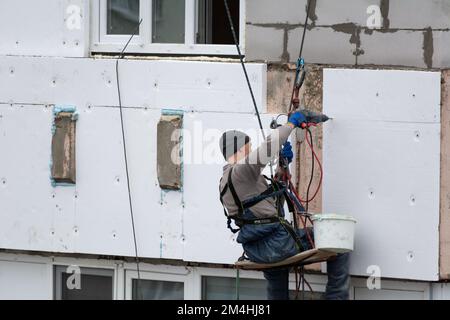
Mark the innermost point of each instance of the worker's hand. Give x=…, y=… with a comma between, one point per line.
x=286, y=151
x=297, y=118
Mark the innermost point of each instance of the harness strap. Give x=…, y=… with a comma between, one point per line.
x=241, y=221
x=236, y=199
x=293, y=234
x=222, y=193
x=270, y=192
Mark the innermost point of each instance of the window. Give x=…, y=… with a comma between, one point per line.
x=168, y=26
x=224, y=288
x=122, y=16
x=74, y=283
x=212, y=22
x=168, y=283
x=157, y=290
x=168, y=21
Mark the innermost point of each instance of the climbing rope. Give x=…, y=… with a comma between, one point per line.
x=301, y=51
x=126, y=160
x=241, y=59
x=286, y=177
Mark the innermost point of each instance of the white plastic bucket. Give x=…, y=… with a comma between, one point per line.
x=333, y=232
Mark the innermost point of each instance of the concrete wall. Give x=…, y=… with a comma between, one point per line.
x=412, y=32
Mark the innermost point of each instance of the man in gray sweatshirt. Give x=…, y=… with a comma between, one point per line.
x=264, y=238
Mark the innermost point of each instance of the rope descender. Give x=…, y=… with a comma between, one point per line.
x=300, y=76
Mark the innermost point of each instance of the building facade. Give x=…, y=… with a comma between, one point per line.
x=68, y=231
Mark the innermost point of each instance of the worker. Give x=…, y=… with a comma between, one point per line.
x=263, y=237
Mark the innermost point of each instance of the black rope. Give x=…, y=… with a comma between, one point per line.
x=301, y=49
x=126, y=159
x=304, y=28
x=241, y=58
x=312, y=169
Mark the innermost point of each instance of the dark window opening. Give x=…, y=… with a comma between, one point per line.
x=213, y=26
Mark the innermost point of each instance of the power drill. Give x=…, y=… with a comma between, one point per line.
x=312, y=119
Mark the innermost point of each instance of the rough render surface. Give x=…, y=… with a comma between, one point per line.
x=279, y=88
x=444, y=230
x=63, y=149
x=338, y=33
x=168, y=137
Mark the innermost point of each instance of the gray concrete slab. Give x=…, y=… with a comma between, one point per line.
x=281, y=11
x=262, y=43
x=322, y=45
x=401, y=48
x=441, y=45
x=331, y=12
x=419, y=14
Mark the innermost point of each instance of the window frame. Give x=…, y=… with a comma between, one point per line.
x=317, y=281
x=59, y=269
x=142, y=43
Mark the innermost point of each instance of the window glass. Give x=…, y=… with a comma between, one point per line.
x=87, y=284
x=157, y=290
x=168, y=21
x=222, y=288
x=122, y=17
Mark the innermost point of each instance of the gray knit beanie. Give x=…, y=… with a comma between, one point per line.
x=231, y=141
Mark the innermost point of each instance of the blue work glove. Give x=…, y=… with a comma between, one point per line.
x=297, y=118
x=286, y=151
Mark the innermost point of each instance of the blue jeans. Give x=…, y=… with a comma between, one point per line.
x=270, y=243
x=337, y=285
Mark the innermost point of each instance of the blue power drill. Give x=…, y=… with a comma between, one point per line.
x=313, y=118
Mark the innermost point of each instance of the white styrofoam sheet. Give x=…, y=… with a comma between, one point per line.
x=44, y=28
x=161, y=84
x=381, y=158
x=93, y=216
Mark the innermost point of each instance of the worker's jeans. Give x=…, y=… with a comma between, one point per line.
x=270, y=243
x=337, y=285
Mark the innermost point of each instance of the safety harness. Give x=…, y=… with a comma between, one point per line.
x=275, y=190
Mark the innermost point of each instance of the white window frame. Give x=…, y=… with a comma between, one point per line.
x=317, y=281
x=115, y=265
x=101, y=42
x=60, y=269
x=200, y=272
x=406, y=286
